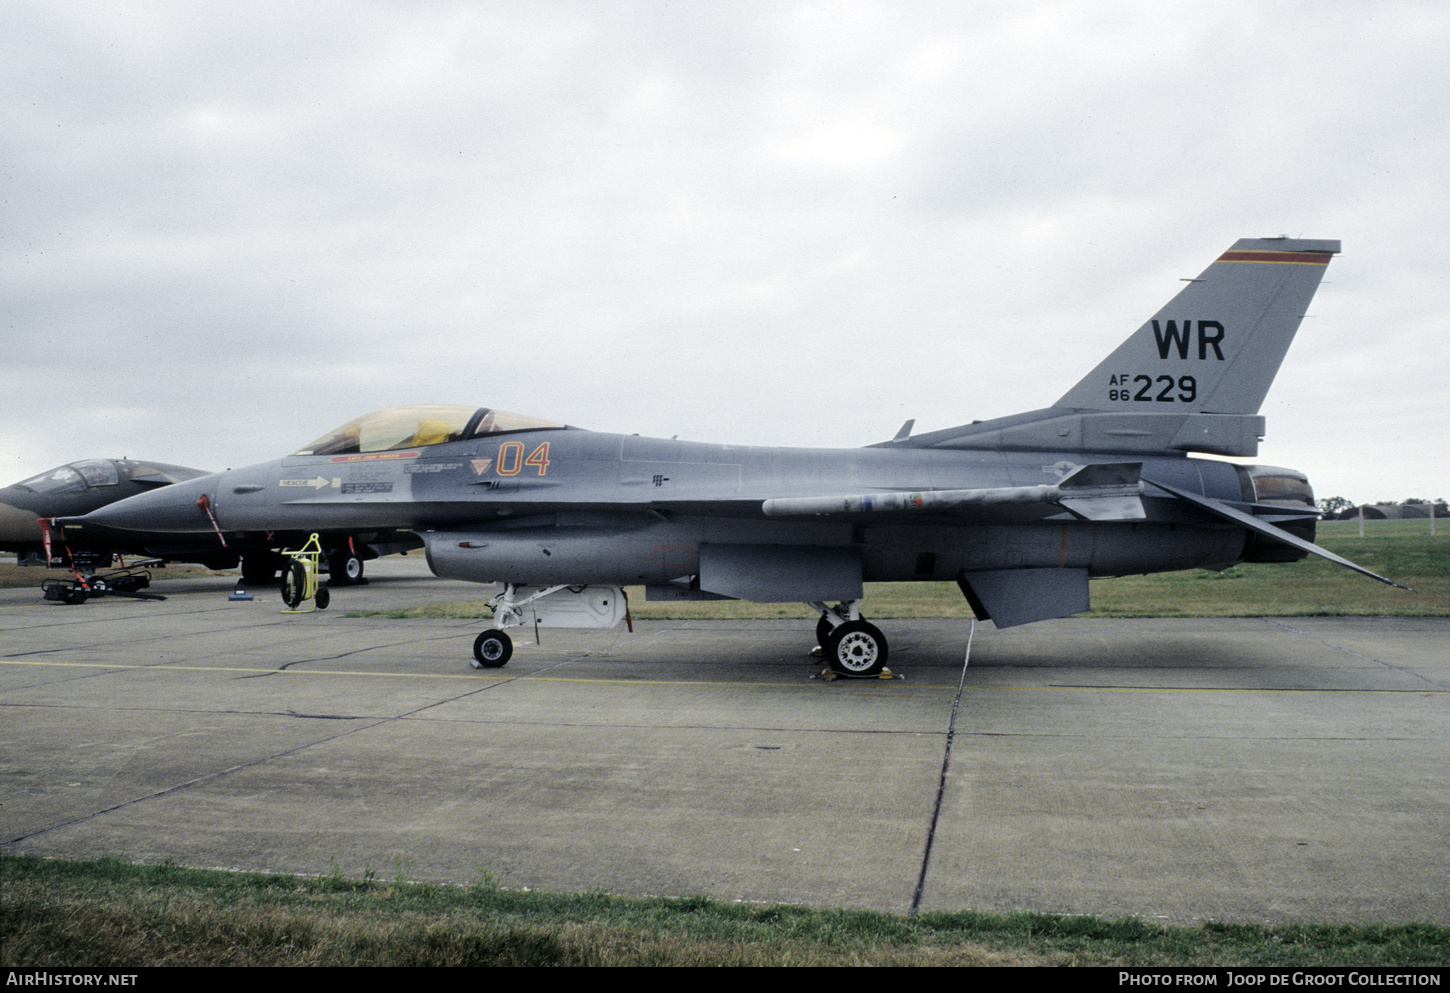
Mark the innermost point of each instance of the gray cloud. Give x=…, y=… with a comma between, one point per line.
x=227, y=229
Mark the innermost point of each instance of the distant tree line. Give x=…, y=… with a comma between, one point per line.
x=1339, y=508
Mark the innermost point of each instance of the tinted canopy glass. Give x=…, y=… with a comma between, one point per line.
x=74, y=477
x=418, y=425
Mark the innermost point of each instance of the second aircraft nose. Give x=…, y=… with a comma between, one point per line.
x=18, y=524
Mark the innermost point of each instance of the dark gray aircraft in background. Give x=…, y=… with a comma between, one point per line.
x=1019, y=511
x=80, y=487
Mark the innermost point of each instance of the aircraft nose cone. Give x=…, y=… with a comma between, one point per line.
x=168, y=509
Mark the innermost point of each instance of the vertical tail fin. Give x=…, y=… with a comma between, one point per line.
x=1217, y=345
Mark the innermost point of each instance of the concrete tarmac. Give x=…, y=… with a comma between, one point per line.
x=1255, y=770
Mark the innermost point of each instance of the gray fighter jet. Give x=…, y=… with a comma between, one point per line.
x=1020, y=511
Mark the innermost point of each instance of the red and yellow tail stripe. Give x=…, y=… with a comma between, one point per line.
x=1278, y=258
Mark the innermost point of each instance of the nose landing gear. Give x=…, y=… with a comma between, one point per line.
x=491, y=649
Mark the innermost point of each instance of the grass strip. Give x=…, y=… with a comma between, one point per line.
x=107, y=913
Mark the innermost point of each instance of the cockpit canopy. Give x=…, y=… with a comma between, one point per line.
x=417, y=425
x=95, y=473
x=74, y=477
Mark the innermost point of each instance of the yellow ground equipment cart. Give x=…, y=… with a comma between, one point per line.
x=299, y=580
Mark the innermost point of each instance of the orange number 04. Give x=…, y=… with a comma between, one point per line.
x=511, y=459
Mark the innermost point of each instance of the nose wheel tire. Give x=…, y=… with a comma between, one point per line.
x=856, y=648
x=491, y=650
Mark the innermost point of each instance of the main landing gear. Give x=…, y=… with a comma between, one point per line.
x=344, y=567
x=851, y=646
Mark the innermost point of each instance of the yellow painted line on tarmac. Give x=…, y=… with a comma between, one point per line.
x=476, y=675
x=473, y=675
x=165, y=667
x=1208, y=689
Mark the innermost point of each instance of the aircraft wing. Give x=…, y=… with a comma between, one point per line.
x=1109, y=491
x=1220, y=509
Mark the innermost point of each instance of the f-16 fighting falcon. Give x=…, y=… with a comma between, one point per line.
x=1020, y=512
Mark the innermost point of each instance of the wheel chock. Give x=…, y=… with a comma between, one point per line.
x=885, y=673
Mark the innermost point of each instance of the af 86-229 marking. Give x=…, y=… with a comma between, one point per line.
x=1143, y=389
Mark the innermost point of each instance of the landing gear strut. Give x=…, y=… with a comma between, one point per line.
x=492, y=649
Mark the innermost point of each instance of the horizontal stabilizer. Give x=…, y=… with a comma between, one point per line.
x=1220, y=509
x=1106, y=491
x=1100, y=492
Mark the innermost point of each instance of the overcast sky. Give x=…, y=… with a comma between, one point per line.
x=227, y=228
